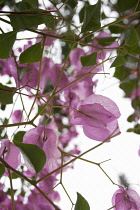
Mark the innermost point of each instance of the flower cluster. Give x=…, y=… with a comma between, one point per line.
x=126, y=199
x=79, y=106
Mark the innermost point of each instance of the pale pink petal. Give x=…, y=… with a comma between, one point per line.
x=12, y=153
x=17, y=116
x=106, y=102
x=75, y=57
x=134, y=195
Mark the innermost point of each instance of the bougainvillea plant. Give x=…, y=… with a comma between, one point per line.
x=50, y=52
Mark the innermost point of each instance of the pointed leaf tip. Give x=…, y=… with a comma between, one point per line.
x=81, y=203
x=32, y=54
x=92, y=17
x=89, y=60
x=119, y=61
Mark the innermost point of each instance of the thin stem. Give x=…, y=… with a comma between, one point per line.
x=68, y=154
x=98, y=164
x=137, y=5
x=61, y=172
x=17, y=68
x=31, y=12
x=39, y=75
x=13, y=91
x=112, y=207
x=53, y=188
x=17, y=124
x=62, y=71
x=79, y=156
x=79, y=78
x=67, y=194
x=85, y=75
x=12, y=192
x=15, y=171
x=109, y=24
x=107, y=175
x=62, y=37
x=45, y=196
x=32, y=182
x=104, y=161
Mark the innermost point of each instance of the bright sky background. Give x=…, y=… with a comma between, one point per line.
x=88, y=179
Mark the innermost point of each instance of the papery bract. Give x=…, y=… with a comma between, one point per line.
x=5, y=202
x=8, y=67
x=139, y=151
x=52, y=71
x=75, y=57
x=126, y=200
x=46, y=139
x=17, y=116
x=98, y=115
x=10, y=153
x=37, y=200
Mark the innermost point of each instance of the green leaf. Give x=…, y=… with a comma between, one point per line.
x=134, y=49
x=136, y=129
x=23, y=21
x=19, y=136
x=32, y=54
x=136, y=103
x=49, y=21
x=92, y=17
x=81, y=14
x=2, y=170
x=122, y=72
x=105, y=41
x=70, y=3
x=130, y=130
x=128, y=86
x=9, y=191
x=81, y=203
x=123, y=6
x=65, y=49
x=33, y=154
x=119, y=61
x=122, y=51
x=3, y=106
x=6, y=43
x=1, y=1
x=88, y=60
x=131, y=37
x=131, y=118
x=33, y=2
x=6, y=94
x=116, y=29
x=43, y=112
x=70, y=35
x=21, y=6
x=14, y=176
